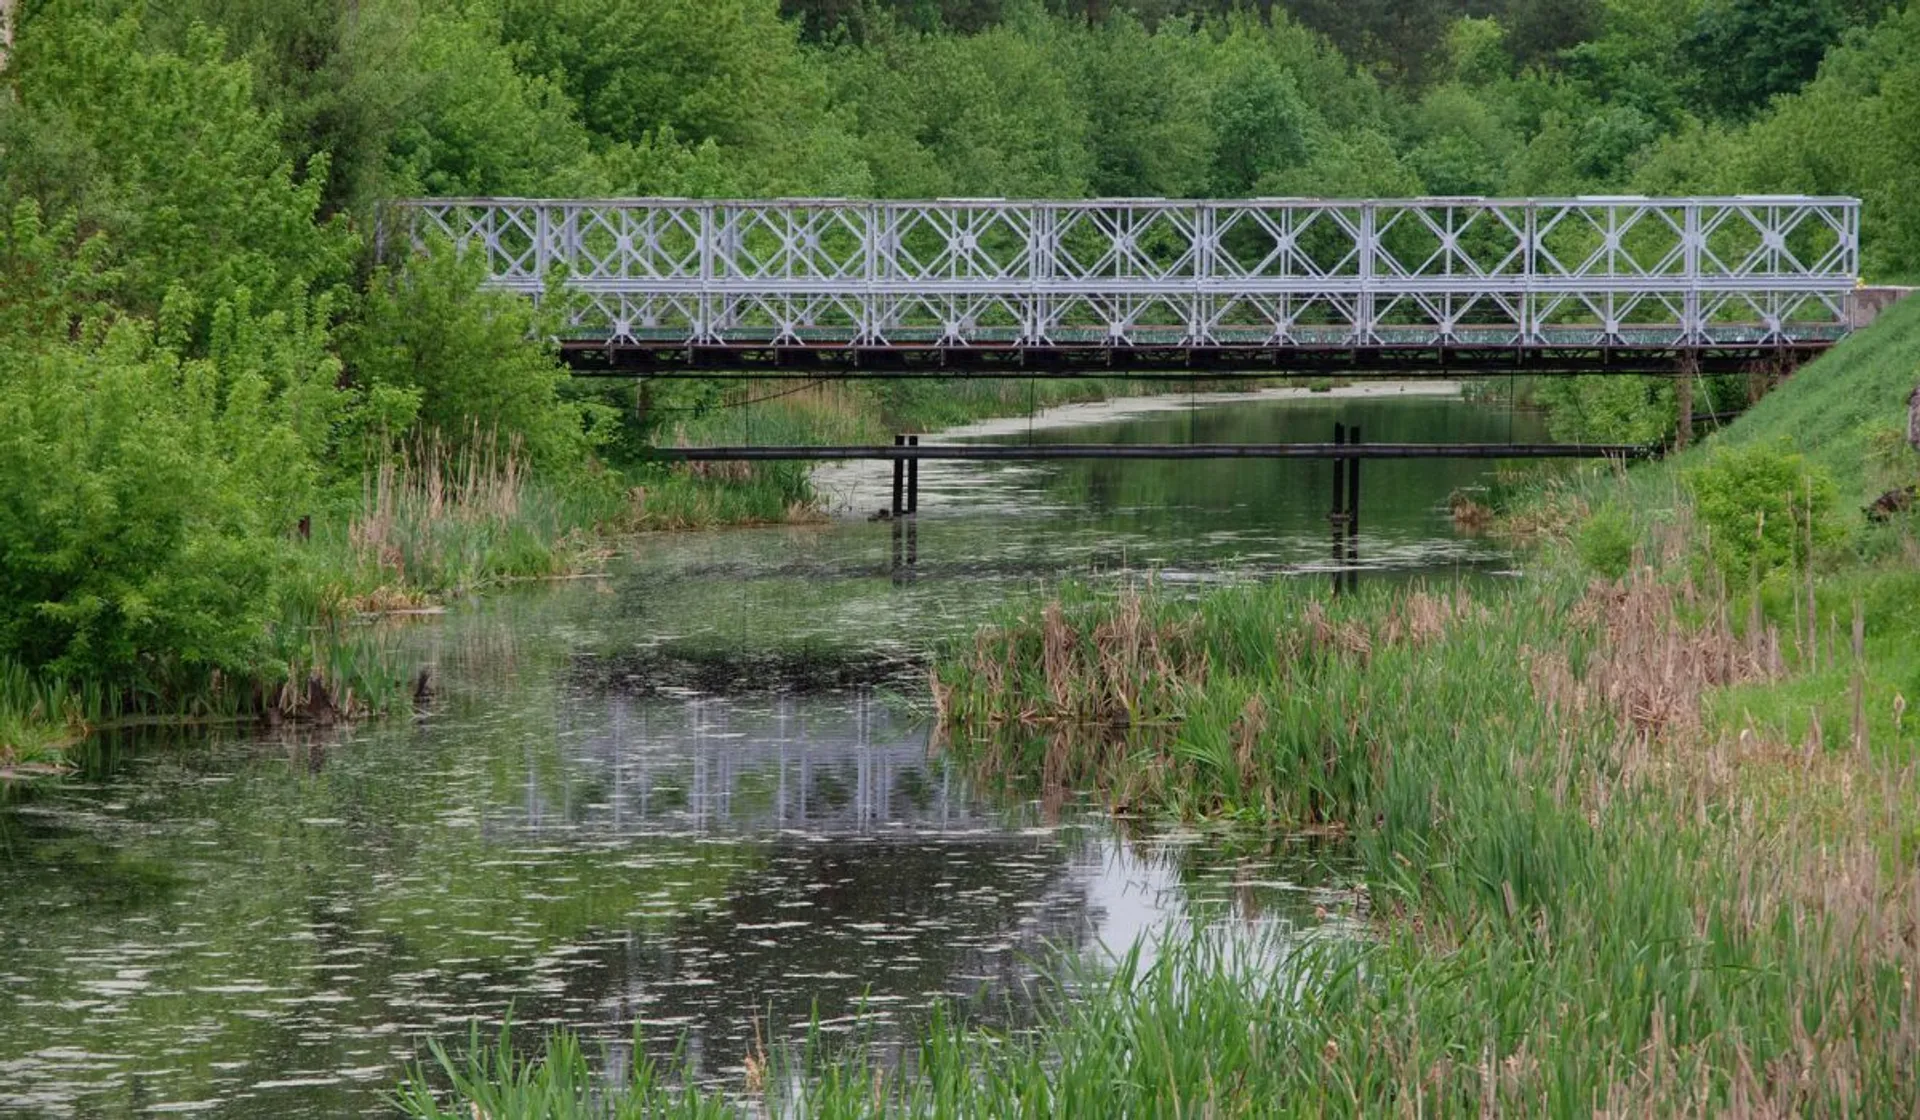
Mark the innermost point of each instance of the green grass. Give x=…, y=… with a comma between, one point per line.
x=1840, y=409
x=1579, y=898
x=1620, y=849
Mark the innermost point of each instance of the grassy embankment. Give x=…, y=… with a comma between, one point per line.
x=1638, y=835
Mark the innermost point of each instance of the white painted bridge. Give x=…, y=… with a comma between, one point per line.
x=1574, y=284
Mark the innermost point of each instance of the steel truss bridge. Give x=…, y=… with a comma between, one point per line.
x=872, y=288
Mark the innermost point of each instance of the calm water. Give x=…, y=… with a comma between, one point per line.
x=693, y=795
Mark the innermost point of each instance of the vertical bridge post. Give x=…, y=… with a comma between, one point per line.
x=913, y=479
x=899, y=479
x=1339, y=475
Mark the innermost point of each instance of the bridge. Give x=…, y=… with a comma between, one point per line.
x=1262, y=287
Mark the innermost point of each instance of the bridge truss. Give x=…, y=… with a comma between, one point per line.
x=1571, y=285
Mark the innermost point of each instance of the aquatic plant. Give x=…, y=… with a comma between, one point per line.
x=40, y=717
x=443, y=519
x=1593, y=891
x=493, y=1079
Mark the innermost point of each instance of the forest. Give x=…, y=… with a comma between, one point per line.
x=224, y=425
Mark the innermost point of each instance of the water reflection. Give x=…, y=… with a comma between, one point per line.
x=258, y=926
x=693, y=795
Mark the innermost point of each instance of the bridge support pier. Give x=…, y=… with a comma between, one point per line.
x=899, y=481
x=1346, y=511
x=906, y=480
x=1683, y=397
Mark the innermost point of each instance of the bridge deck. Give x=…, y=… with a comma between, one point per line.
x=672, y=283
x=1036, y=452
x=846, y=361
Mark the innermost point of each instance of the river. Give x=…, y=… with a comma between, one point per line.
x=694, y=793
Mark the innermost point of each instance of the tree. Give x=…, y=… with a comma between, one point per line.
x=169, y=156
x=1746, y=51
x=454, y=363
x=1539, y=30
x=1150, y=131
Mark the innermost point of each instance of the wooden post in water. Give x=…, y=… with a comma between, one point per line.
x=1339, y=475
x=913, y=478
x=1353, y=484
x=899, y=479
x=1353, y=513
x=1339, y=515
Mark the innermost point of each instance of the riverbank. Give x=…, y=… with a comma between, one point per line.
x=428, y=526
x=1636, y=829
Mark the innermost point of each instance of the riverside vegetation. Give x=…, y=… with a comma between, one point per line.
x=208, y=386
x=1637, y=833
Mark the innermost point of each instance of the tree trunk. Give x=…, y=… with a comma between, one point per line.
x=1683, y=398
x=1913, y=420
x=6, y=31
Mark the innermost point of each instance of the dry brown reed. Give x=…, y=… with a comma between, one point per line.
x=430, y=483
x=1805, y=829
x=1469, y=516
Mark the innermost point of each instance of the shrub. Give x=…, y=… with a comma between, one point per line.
x=1605, y=542
x=136, y=549
x=468, y=356
x=1760, y=504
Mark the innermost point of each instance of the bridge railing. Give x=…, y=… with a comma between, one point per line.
x=1648, y=272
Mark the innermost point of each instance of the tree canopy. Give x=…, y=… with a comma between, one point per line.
x=192, y=325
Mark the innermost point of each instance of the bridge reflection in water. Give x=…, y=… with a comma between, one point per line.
x=709, y=765
x=866, y=883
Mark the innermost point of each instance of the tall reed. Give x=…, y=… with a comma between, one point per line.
x=1590, y=895
x=40, y=716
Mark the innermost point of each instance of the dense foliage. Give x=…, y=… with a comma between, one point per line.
x=193, y=328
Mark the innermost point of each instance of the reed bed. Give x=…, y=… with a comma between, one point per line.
x=707, y=495
x=41, y=717
x=1593, y=894
x=437, y=521
x=1584, y=894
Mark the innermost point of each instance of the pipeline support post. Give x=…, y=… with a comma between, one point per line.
x=899, y=479
x=913, y=478
x=1339, y=475
x=1353, y=484
x=1353, y=512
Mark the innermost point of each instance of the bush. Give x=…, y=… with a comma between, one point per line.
x=1605, y=542
x=1761, y=504
x=467, y=356
x=136, y=550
